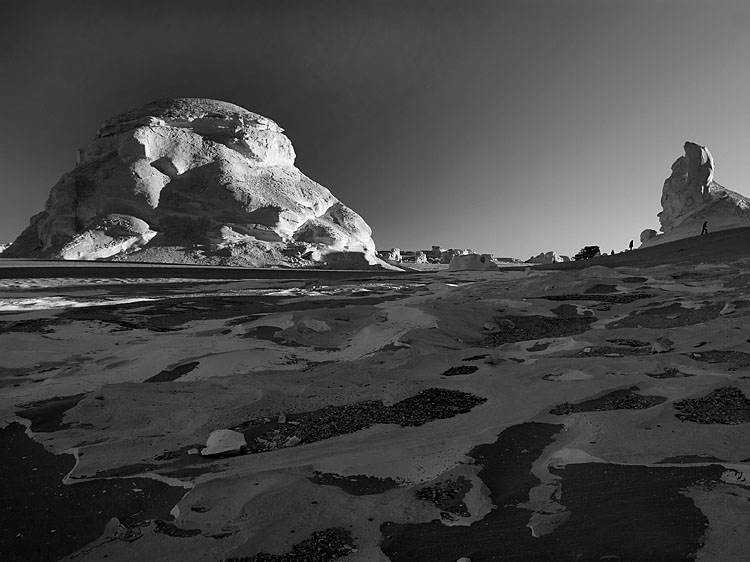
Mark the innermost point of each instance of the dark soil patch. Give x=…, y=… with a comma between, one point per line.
x=172, y=530
x=607, y=351
x=634, y=280
x=356, y=485
x=268, y=333
x=568, y=311
x=524, y=328
x=619, y=298
x=172, y=313
x=35, y=326
x=668, y=373
x=538, y=347
x=460, y=370
x=322, y=546
x=506, y=471
x=738, y=358
x=48, y=519
x=476, y=358
x=628, y=342
x=447, y=495
x=670, y=316
x=46, y=416
x=170, y=375
x=617, y=512
x=623, y=399
x=429, y=405
x=690, y=459
x=601, y=288
x=726, y=405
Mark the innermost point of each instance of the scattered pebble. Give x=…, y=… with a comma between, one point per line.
x=618, y=400
x=322, y=546
x=447, y=495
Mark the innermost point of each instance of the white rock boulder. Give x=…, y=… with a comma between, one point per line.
x=472, y=262
x=690, y=197
x=224, y=441
x=647, y=235
x=194, y=181
x=547, y=257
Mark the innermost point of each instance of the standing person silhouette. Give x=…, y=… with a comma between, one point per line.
x=631, y=245
x=705, y=228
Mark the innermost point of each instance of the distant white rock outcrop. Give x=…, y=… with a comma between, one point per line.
x=547, y=257
x=193, y=180
x=690, y=197
x=472, y=262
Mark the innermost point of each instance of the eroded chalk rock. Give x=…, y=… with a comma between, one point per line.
x=472, y=262
x=547, y=257
x=691, y=197
x=224, y=441
x=194, y=180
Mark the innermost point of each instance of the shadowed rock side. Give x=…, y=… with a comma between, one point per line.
x=690, y=197
x=191, y=180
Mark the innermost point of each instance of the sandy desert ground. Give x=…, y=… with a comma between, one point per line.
x=592, y=411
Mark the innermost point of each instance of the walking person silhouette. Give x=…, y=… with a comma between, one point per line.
x=705, y=228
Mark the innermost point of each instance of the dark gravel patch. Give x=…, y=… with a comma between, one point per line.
x=47, y=416
x=628, y=342
x=727, y=405
x=738, y=358
x=690, y=459
x=460, y=370
x=356, y=485
x=670, y=316
x=620, y=298
x=524, y=328
x=35, y=326
x=172, y=530
x=476, y=358
x=668, y=373
x=447, y=496
x=322, y=546
x=170, y=375
x=623, y=399
x=429, y=405
x=617, y=512
x=607, y=351
x=568, y=311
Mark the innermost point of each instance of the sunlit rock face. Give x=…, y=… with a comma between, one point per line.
x=547, y=257
x=472, y=262
x=193, y=180
x=690, y=197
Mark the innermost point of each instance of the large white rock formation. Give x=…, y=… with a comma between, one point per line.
x=472, y=262
x=690, y=197
x=547, y=257
x=194, y=181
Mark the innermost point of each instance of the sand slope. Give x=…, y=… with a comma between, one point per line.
x=582, y=370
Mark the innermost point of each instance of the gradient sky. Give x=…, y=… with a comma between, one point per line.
x=505, y=127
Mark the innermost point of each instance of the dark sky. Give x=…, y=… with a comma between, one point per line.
x=505, y=127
